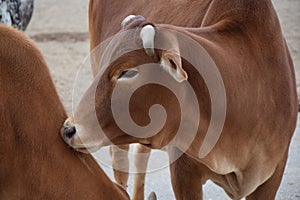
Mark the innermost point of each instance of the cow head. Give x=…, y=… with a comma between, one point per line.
x=130, y=100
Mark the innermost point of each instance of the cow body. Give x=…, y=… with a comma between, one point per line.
x=245, y=41
x=35, y=163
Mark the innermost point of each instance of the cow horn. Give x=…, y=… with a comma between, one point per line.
x=152, y=196
x=147, y=35
x=131, y=18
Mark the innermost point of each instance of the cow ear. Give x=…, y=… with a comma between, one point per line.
x=171, y=62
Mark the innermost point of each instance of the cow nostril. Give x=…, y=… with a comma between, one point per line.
x=69, y=131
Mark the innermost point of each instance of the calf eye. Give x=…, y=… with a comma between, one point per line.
x=128, y=74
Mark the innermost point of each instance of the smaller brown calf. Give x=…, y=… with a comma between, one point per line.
x=35, y=163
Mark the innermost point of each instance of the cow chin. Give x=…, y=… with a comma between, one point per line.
x=84, y=147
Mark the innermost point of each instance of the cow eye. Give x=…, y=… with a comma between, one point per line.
x=128, y=74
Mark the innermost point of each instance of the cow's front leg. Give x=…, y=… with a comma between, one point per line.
x=120, y=163
x=140, y=161
x=185, y=176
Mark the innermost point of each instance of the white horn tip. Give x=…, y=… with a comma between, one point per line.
x=147, y=35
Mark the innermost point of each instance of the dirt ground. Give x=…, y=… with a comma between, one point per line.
x=60, y=29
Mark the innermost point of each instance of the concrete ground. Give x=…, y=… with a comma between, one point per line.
x=59, y=27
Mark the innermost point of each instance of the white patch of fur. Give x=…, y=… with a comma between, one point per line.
x=147, y=35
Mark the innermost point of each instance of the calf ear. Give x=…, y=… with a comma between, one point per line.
x=171, y=62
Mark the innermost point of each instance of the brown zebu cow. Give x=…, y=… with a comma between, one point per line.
x=245, y=41
x=35, y=163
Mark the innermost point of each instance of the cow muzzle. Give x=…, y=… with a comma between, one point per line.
x=70, y=135
x=68, y=131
